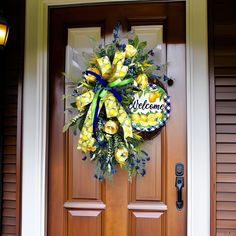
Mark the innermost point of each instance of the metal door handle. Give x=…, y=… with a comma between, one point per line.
x=179, y=184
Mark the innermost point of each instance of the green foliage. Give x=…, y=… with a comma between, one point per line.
x=134, y=42
x=142, y=45
x=71, y=123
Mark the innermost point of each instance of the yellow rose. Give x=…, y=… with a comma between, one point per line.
x=121, y=155
x=130, y=51
x=91, y=78
x=111, y=127
x=142, y=81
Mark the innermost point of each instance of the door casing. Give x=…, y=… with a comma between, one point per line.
x=35, y=117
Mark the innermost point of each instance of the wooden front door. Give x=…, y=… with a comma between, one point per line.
x=77, y=203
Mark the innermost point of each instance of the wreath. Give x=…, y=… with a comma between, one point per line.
x=120, y=102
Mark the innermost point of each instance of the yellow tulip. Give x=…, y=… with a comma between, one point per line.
x=142, y=81
x=130, y=51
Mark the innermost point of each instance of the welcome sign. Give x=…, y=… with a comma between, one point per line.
x=150, y=108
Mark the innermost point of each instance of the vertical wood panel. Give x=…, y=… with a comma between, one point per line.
x=145, y=191
x=82, y=184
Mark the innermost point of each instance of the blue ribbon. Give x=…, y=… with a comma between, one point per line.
x=95, y=120
x=103, y=82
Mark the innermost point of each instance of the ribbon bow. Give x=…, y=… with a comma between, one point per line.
x=106, y=94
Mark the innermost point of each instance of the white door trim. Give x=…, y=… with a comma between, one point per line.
x=34, y=184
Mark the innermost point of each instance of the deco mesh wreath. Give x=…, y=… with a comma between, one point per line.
x=119, y=98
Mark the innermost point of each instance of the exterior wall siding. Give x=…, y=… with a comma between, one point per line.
x=12, y=63
x=222, y=45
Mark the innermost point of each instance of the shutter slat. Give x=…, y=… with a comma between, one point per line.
x=223, y=206
x=225, y=110
x=226, y=187
x=225, y=89
x=226, y=96
x=226, y=224
x=222, y=81
x=226, y=128
x=226, y=138
x=222, y=168
x=225, y=232
x=226, y=119
x=226, y=148
x=226, y=178
x=225, y=196
x=226, y=215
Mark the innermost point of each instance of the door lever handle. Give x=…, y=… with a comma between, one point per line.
x=179, y=184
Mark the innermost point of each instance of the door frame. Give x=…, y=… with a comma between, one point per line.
x=35, y=91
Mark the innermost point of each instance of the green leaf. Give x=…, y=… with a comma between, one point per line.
x=87, y=85
x=131, y=41
x=73, y=105
x=136, y=41
x=81, y=121
x=142, y=45
x=70, y=123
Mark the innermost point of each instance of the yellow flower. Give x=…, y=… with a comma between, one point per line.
x=152, y=117
x=142, y=81
x=111, y=127
x=91, y=78
x=135, y=117
x=158, y=115
x=143, y=118
x=121, y=155
x=130, y=51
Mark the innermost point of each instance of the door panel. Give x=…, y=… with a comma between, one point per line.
x=78, y=203
x=143, y=223
x=84, y=223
